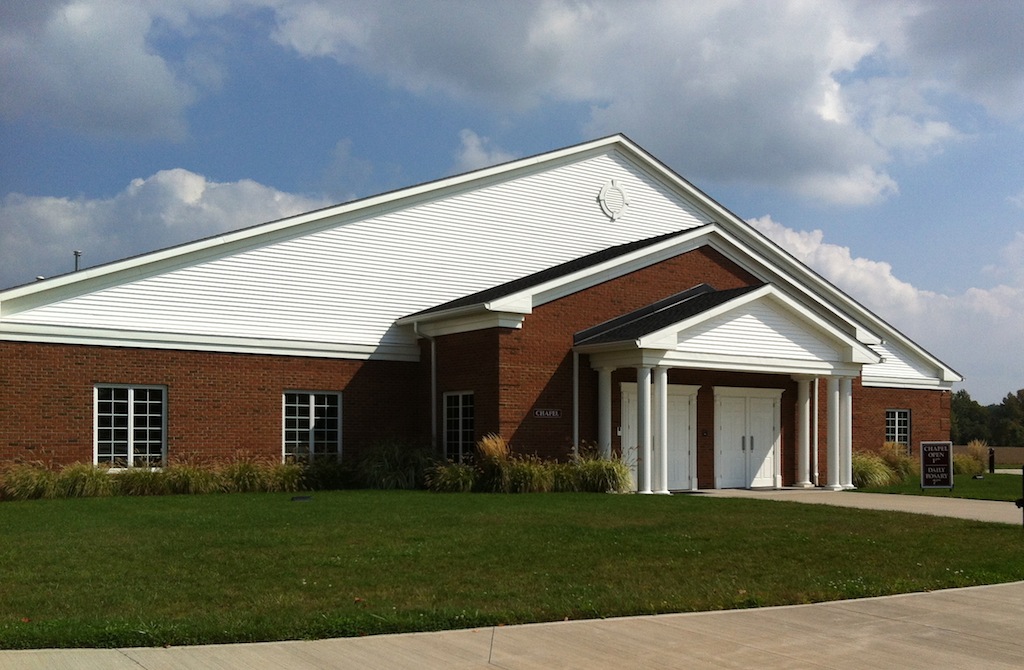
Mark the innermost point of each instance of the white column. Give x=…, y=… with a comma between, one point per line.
x=604, y=413
x=846, y=432
x=803, y=433
x=643, y=428
x=661, y=430
x=833, y=434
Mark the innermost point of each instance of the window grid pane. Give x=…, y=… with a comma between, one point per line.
x=312, y=426
x=129, y=426
x=459, y=426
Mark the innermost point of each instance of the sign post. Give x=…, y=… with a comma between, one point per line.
x=937, y=465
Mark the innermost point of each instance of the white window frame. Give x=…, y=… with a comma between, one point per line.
x=132, y=425
x=459, y=449
x=311, y=405
x=894, y=427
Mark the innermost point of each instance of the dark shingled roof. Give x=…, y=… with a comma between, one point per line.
x=659, y=315
x=537, y=278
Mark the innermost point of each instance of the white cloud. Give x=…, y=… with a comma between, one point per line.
x=477, y=152
x=86, y=66
x=171, y=207
x=973, y=332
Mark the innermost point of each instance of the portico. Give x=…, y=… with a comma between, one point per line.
x=754, y=331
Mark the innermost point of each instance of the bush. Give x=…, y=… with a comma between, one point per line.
x=84, y=480
x=493, y=459
x=286, y=477
x=965, y=464
x=141, y=482
x=529, y=474
x=896, y=458
x=326, y=475
x=393, y=465
x=191, y=478
x=451, y=478
x=27, y=481
x=870, y=470
x=599, y=475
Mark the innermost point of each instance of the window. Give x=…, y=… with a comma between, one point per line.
x=312, y=426
x=897, y=426
x=130, y=425
x=458, y=426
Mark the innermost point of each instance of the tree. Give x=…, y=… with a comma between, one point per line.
x=969, y=420
x=1008, y=420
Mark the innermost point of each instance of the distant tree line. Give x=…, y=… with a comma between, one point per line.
x=999, y=425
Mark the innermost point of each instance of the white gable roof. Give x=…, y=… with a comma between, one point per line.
x=334, y=282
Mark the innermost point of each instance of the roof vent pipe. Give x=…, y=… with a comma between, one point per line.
x=78, y=255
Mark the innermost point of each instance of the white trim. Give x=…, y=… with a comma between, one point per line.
x=13, y=332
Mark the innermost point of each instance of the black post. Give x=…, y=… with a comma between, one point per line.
x=991, y=461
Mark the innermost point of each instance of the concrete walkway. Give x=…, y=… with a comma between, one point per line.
x=959, y=508
x=978, y=627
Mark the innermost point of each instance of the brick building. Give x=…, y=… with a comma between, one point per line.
x=585, y=296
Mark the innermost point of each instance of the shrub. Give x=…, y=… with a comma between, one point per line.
x=895, y=457
x=286, y=477
x=141, y=482
x=84, y=480
x=393, y=465
x=245, y=475
x=870, y=470
x=326, y=475
x=493, y=458
x=600, y=475
x=191, y=478
x=565, y=477
x=529, y=474
x=978, y=450
x=451, y=478
x=27, y=481
x=965, y=464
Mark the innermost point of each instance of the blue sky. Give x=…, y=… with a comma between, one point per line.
x=881, y=143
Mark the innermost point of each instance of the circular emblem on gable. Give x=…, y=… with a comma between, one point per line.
x=614, y=200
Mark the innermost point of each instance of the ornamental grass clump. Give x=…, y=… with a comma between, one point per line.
x=965, y=464
x=493, y=458
x=451, y=478
x=529, y=474
x=141, y=482
x=27, y=481
x=393, y=464
x=871, y=471
x=190, y=478
x=895, y=456
x=84, y=480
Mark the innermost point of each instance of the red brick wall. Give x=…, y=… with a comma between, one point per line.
x=217, y=404
x=929, y=417
x=537, y=364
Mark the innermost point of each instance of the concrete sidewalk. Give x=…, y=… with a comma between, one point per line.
x=978, y=627
x=959, y=508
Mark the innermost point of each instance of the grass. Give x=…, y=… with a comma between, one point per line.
x=991, y=487
x=100, y=572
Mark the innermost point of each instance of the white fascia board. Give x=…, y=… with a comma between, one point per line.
x=69, y=285
x=627, y=358
x=191, y=342
x=467, y=323
x=895, y=382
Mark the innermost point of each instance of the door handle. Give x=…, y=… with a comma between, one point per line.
x=751, y=442
x=743, y=441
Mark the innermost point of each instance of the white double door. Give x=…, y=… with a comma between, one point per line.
x=747, y=438
x=681, y=443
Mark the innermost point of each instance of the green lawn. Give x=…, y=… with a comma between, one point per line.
x=991, y=487
x=221, y=568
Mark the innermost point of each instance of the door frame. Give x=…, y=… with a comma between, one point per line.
x=627, y=417
x=774, y=394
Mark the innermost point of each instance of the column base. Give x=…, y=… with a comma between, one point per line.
x=663, y=493
x=804, y=485
x=833, y=487
x=645, y=493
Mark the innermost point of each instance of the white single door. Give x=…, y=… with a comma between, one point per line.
x=747, y=437
x=682, y=403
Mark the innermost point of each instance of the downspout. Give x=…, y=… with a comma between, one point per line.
x=575, y=403
x=433, y=383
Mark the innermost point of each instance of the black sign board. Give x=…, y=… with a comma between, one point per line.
x=937, y=465
x=547, y=414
